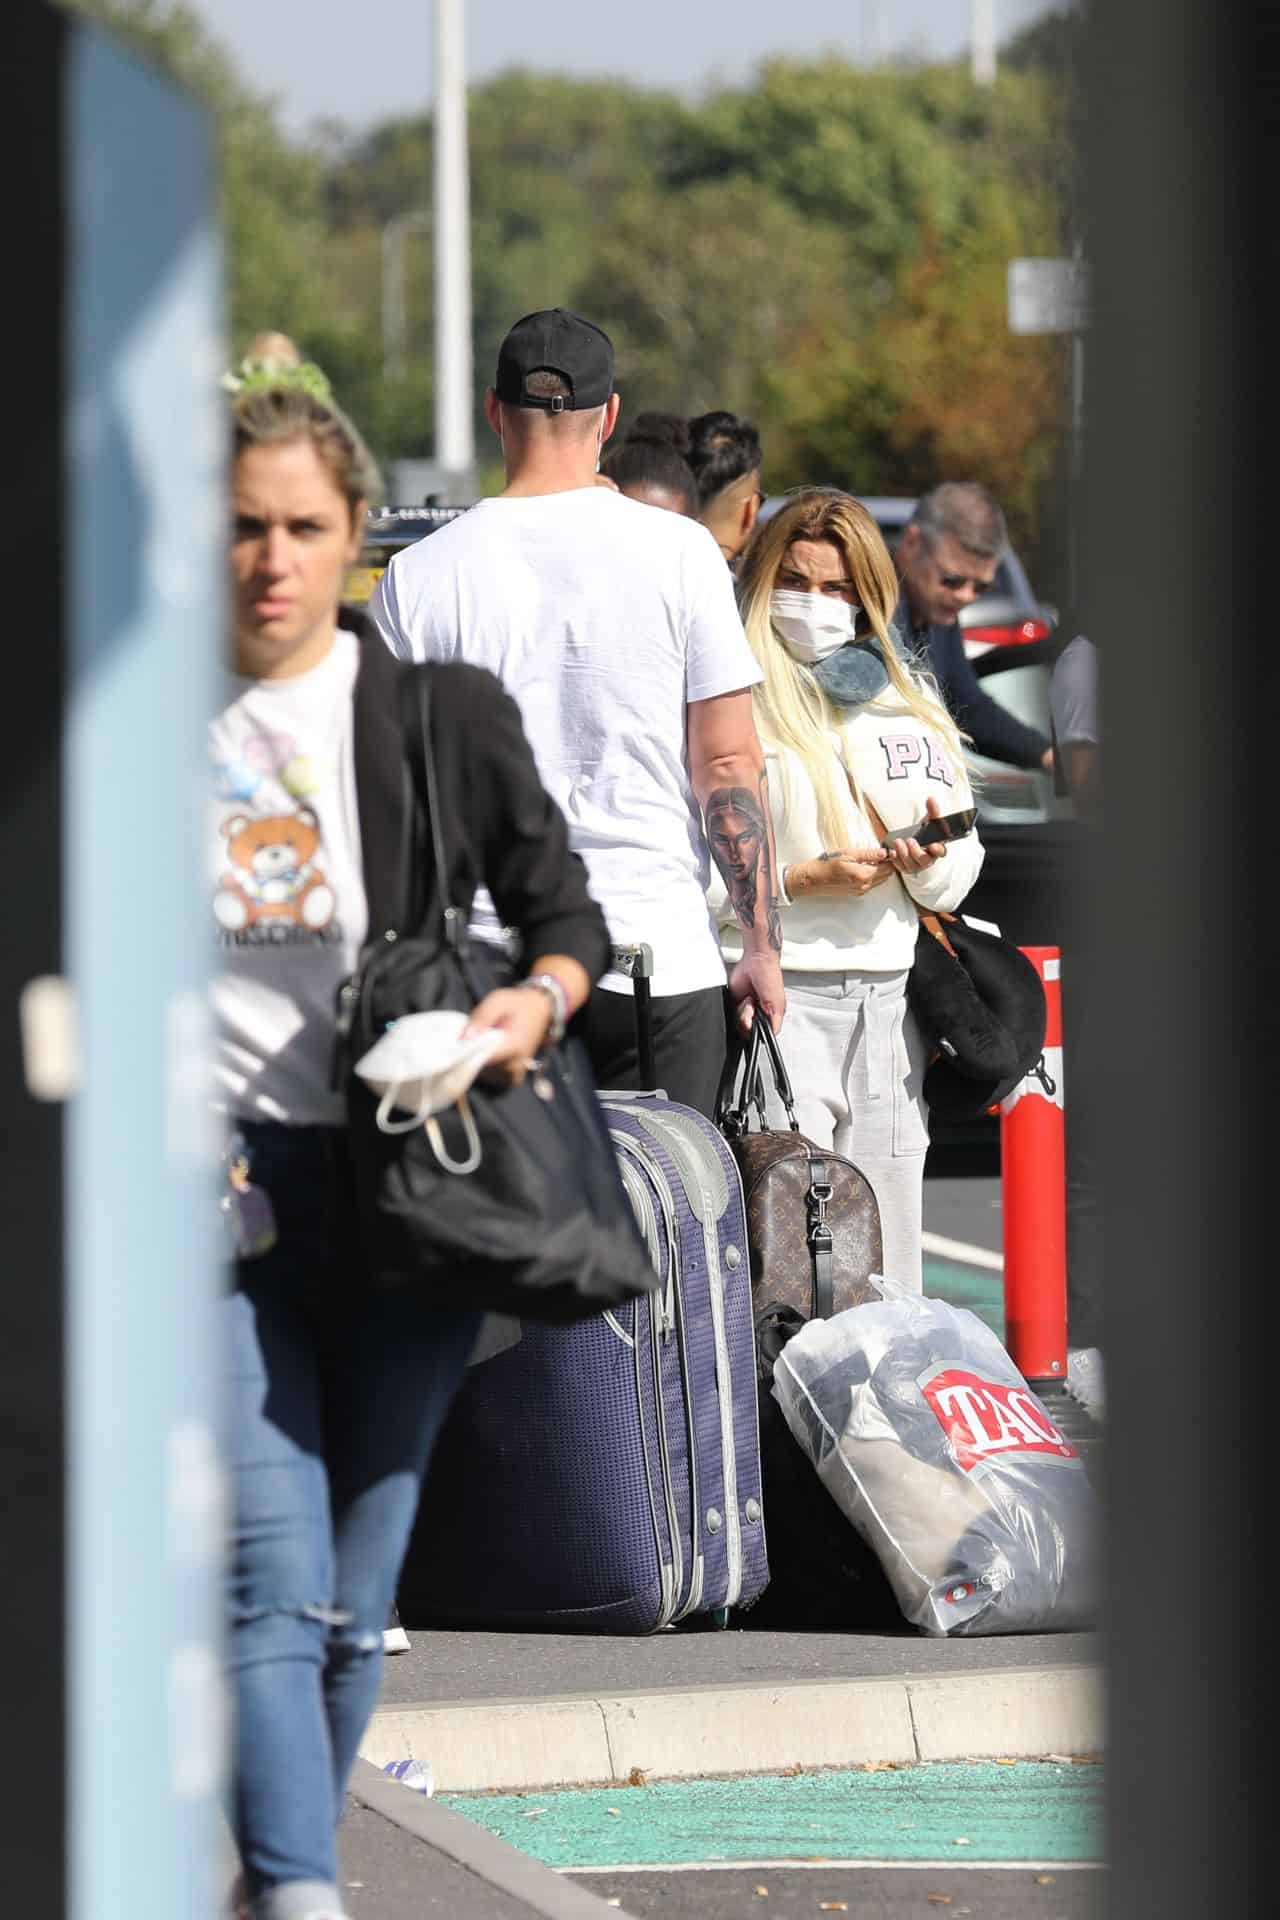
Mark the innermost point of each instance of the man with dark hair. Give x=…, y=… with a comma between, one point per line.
x=947, y=556
x=613, y=625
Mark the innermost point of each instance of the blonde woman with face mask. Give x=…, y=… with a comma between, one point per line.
x=858, y=750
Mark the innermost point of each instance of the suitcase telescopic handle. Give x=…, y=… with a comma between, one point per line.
x=636, y=962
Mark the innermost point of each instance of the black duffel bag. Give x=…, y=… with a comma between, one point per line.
x=540, y=1226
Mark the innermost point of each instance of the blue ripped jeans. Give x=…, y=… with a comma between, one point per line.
x=334, y=1397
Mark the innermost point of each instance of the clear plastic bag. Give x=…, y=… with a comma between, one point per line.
x=935, y=1448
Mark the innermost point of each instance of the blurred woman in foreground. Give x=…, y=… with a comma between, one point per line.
x=337, y=1382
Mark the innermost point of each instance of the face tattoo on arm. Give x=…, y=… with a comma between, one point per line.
x=738, y=833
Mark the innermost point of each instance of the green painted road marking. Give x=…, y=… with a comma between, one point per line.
x=1031, y=1810
x=960, y=1286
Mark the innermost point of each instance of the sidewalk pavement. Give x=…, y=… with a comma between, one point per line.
x=513, y=1711
x=404, y=1857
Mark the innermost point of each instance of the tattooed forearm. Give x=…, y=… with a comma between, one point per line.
x=771, y=868
x=740, y=835
x=737, y=833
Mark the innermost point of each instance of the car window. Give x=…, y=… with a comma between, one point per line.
x=387, y=534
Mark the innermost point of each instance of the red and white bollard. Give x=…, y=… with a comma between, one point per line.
x=1033, y=1176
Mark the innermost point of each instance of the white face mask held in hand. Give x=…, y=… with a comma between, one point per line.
x=422, y=1065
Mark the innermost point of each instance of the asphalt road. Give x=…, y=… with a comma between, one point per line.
x=963, y=1202
x=387, y=1874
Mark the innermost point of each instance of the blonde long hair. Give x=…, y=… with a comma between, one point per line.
x=791, y=708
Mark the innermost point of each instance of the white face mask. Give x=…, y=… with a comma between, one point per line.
x=811, y=625
x=422, y=1065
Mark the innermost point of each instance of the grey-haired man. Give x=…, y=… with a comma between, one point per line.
x=947, y=556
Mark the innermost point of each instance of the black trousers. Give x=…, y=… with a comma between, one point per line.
x=690, y=1035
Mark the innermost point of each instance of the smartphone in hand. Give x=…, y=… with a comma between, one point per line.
x=925, y=833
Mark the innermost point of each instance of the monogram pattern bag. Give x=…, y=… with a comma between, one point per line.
x=813, y=1226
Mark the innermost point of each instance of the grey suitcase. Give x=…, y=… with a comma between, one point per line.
x=605, y=1477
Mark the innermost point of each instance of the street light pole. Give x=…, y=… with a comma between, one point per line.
x=871, y=33
x=455, y=436
x=982, y=41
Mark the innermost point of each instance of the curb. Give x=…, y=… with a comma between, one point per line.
x=543, y=1891
x=597, y=1739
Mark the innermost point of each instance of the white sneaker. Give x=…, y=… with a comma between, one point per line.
x=1084, y=1380
x=394, y=1637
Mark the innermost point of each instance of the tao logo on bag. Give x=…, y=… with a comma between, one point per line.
x=982, y=1418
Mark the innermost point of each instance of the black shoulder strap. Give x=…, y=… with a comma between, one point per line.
x=380, y=788
x=450, y=854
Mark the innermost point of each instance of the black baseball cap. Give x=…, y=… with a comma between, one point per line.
x=555, y=341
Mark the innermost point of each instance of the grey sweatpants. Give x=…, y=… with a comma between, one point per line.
x=856, y=1060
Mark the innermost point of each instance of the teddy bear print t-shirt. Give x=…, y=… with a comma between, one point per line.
x=287, y=900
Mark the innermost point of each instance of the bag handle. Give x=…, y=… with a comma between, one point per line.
x=732, y=1115
x=423, y=782
x=731, y=1105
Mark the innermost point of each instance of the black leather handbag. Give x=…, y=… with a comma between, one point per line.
x=981, y=1007
x=540, y=1226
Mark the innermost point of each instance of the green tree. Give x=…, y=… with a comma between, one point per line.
x=704, y=290
x=823, y=248
x=271, y=188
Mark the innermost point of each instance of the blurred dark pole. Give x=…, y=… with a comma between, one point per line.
x=1179, y=203
x=32, y=1426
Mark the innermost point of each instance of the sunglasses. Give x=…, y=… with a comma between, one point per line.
x=954, y=581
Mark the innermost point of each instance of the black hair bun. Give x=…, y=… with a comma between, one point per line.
x=718, y=431
x=655, y=429
x=722, y=448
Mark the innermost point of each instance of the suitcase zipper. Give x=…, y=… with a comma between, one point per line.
x=655, y=1182
x=724, y=1375
x=673, y=1519
x=638, y=1190
x=666, y=1605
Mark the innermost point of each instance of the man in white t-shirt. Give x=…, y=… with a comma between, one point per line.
x=613, y=625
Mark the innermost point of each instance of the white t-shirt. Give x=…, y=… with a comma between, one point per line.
x=604, y=618
x=288, y=896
